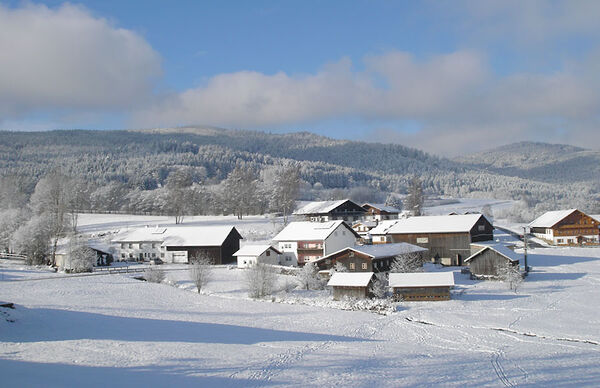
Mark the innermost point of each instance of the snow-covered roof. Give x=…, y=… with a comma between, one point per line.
x=422, y=279
x=595, y=216
x=434, y=224
x=321, y=207
x=549, y=219
x=254, y=250
x=350, y=279
x=383, y=227
x=381, y=250
x=499, y=248
x=383, y=207
x=306, y=230
x=179, y=235
x=368, y=224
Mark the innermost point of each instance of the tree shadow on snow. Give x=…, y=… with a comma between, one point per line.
x=62, y=325
x=539, y=276
x=555, y=260
x=33, y=374
x=475, y=296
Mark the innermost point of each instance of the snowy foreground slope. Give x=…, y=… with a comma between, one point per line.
x=113, y=329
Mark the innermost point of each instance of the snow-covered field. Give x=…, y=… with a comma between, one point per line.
x=114, y=330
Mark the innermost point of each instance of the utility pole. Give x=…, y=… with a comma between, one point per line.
x=525, y=232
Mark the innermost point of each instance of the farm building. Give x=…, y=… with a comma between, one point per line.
x=350, y=285
x=421, y=286
x=447, y=238
x=102, y=254
x=380, y=212
x=303, y=241
x=489, y=260
x=249, y=255
x=369, y=258
x=363, y=228
x=566, y=227
x=323, y=211
x=180, y=244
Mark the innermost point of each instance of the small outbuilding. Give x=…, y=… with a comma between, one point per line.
x=489, y=260
x=350, y=284
x=421, y=286
x=249, y=255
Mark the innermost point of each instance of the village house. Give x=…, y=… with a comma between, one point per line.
x=303, y=241
x=380, y=212
x=323, y=211
x=447, y=238
x=566, y=227
x=369, y=258
x=354, y=285
x=363, y=228
x=249, y=255
x=488, y=260
x=180, y=244
x=421, y=286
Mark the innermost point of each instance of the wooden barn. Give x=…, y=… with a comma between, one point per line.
x=448, y=238
x=369, y=258
x=489, y=260
x=350, y=285
x=380, y=212
x=566, y=227
x=421, y=286
x=184, y=244
x=323, y=211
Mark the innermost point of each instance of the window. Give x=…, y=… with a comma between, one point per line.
x=364, y=266
x=351, y=254
x=122, y=255
x=130, y=246
x=352, y=266
x=481, y=228
x=153, y=245
x=122, y=245
x=153, y=255
x=382, y=238
x=268, y=252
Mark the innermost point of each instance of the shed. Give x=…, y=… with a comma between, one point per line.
x=249, y=255
x=489, y=259
x=350, y=284
x=421, y=286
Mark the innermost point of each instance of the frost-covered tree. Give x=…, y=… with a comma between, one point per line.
x=201, y=271
x=511, y=275
x=379, y=287
x=486, y=210
x=10, y=221
x=407, y=262
x=284, y=190
x=179, y=194
x=33, y=239
x=239, y=191
x=308, y=277
x=155, y=275
x=338, y=267
x=261, y=279
x=80, y=257
x=414, y=199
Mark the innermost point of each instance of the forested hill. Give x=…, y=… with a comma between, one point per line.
x=554, y=163
x=142, y=160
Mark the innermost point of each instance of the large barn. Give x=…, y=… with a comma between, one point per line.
x=447, y=238
x=566, y=227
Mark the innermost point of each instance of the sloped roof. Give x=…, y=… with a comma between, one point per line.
x=306, y=230
x=350, y=279
x=383, y=227
x=422, y=279
x=595, y=216
x=434, y=224
x=380, y=250
x=549, y=219
x=369, y=224
x=179, y=235
x=321, y=207
x=501, y=249
x=383, y=207
x=254, y=250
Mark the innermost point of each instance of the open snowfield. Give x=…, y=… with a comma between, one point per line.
x=114, y=330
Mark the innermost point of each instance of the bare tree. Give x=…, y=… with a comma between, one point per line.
x=415, y=198
x=201, y=271
x=379, y=286
x=407, y=262
x=179, y=194
x=308, y=277
x=260, y=279
x=511, y=275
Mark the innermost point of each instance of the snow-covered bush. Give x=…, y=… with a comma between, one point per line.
x=409, y=262
x=379, y=288
x=154, y=275
x=308, y=277
x=260, y=279
x=80, y=257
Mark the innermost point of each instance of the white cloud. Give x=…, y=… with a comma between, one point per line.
x=65, y=58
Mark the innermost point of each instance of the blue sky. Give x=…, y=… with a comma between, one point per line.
x=447, y=77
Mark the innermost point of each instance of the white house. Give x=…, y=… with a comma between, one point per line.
x=302, y=242
x=249, y=255
x=142, y=244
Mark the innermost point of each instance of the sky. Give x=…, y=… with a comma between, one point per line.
x=446, y=77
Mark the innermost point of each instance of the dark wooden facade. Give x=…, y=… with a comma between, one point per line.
x=573, y=230
x=222, y=254
x=488, y=263
x=449, y=248
x=348, y=211
x=421, y=293
x=383, y=214
x=340, y=292
x=356, y=262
